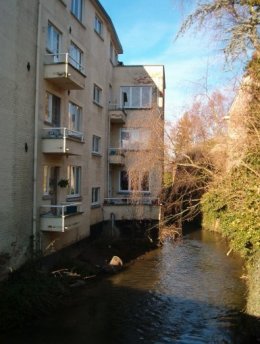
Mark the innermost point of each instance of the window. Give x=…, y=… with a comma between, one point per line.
x=49, y=182
x=77, y=8
x=98, y=26
x=96, y=140
x=46, y=180
x=124, y=182
x=76, y=57
x=135, y=138
x=74, y=117
x=136, y=96
x=112, y=54
x=134, y=181
x=95, y=197
x=74, y=177
x=97, y=94
x=54, y=42
x=52, y=109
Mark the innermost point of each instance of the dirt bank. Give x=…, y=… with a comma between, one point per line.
x=44, y=284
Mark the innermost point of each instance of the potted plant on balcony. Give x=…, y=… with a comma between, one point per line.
x=63, y=183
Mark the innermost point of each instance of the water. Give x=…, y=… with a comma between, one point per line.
x=189, y=292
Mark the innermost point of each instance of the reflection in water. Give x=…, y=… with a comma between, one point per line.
x=189, y=292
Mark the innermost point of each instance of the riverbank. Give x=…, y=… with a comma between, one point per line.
x=185, y=292
x=44, y=284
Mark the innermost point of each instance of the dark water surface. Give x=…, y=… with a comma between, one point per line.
x=189, y=292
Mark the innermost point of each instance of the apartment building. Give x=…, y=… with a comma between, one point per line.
x=78, y=127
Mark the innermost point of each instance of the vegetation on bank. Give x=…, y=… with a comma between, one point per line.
x=233, y=208
x=234, y=201
x=231, y=201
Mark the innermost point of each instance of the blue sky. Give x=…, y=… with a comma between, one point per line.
x=147, y=31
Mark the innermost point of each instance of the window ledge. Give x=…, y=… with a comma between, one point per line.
x=46, y=197
x=63, y=3
x=99, y=35
x=96, y=154
x=73, y=198
x=95, y=206
x=78, y=20
x=98, y=104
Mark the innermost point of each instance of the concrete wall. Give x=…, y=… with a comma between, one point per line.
x=21, y=48
x=98, y=67
x=18, y=30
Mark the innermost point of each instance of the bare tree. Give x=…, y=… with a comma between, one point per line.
x=236, y=22
x=198, y=143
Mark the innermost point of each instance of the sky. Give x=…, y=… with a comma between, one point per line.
x=147, y=31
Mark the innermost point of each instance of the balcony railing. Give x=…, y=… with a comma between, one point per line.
x=64, y=58
x=60, y=217
x=62, y=141
x=116, y=156
x=62, y=133
x=64, y=71
x=132, y=201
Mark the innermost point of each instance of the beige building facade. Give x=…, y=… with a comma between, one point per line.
x=74, y=124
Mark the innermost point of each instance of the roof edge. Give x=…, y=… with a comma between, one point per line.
x=117, y=42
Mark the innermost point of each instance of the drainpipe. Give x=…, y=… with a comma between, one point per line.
x=36, y=119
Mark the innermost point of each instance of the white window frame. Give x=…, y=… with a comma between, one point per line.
x=134, y=102
x=54, y=41
x=74, y=177
x=76, y=56
x=96, y=144
x=49, y=115
x=95, y=196
x=76, y=9
x=99, y=26
x=140, y=181
x=76, y=112
x=97, y=94
x=46, y=180
x=138, y=138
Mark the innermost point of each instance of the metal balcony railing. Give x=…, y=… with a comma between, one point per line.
x=62, y=133
x=116, y=151
x=60, y=210
x=65, y=58
x=132, y=201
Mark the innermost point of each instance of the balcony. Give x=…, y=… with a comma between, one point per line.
x=64, y=71
x=60, y=218
x=116, y=114
x=116, y=156
x=62, y=141
x=129, y=208
x=132, y=201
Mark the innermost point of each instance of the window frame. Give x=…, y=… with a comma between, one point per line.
x=50, y=117
x=96, y=143
x=78, y=114
x=76, y=61
x=55, y=51
x=95, y=196
x=131, y=97
x=99, y=26
x=141, y=176
x=70, y=171
x=138, y=143
x=46, y=180
x=77, y=9
x=97, y=95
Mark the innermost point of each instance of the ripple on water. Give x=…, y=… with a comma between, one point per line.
x=187, y=293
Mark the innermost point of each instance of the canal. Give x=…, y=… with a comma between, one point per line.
x=187, y=292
